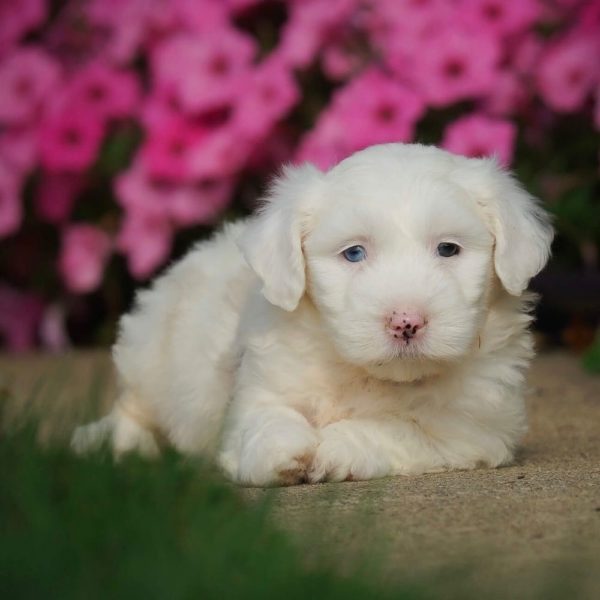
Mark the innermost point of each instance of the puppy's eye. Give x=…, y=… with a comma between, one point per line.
x=355, y=253
x=447, y=249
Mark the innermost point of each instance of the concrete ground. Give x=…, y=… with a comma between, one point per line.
x=540, y=515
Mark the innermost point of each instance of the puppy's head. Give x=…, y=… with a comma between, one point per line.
x=397, y=246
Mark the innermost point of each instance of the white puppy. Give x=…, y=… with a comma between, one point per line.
x=374, y=323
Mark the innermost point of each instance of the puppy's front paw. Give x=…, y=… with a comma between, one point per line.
x=346, y=454
x=273, y=457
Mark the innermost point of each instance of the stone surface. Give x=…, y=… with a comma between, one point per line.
x=540, y=515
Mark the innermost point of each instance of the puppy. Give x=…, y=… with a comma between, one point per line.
x=369, y=321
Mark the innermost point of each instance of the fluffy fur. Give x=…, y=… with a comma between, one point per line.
x=267, y=350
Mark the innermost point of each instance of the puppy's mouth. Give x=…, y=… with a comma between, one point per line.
x=406, y=362
x=402, y=348
x=408, y=351
x=407, y=342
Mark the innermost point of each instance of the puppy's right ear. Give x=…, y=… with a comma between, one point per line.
x=272, y=241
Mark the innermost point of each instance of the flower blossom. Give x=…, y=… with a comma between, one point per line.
x=270, y=91
x=309, y=26
x=167, y=151
x=371, y=109
x=70, y=141
x=27, y=78
x=500, y=17
x=19, y=149
x=145, y=239
x=480, y=136
x=18, y=18
x=83, y=255
x=203, y=72
x=465, y=68
x=104, y=92
x=567, y=72
x=11, y=211
x=56, y=194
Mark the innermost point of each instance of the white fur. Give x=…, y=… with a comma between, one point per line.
x=281, y=367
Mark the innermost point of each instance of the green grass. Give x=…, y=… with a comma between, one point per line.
x=87, y=528
x=73, y=527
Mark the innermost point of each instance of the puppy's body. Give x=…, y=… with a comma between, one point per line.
x=287, y=370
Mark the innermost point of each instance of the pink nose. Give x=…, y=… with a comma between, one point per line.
x=406, y=324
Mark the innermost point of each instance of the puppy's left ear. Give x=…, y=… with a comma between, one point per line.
x=272, y=240
x=521, y=227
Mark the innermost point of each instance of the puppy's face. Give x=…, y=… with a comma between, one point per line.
x=398, y=247
x=399, y=267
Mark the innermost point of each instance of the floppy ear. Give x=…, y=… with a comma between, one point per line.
x=521, y=227
x=272, y=241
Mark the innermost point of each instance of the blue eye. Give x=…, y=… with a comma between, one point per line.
x=355, y=253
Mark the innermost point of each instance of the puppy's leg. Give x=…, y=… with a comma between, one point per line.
x=366, y=449
x=359, y=449
x=121, y=429
x=267, y=445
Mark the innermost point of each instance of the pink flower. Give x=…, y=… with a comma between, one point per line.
x=201, y=16
x=202, y=202
x=56, y=195
x=18, y=18
x=176, y=204
x=130, y=24
x=477, y=136
x=326, y=144
x=222, y=154
x=52, y=329
x=20, y=314
x=341, y=61
x=568, y=4
x=159, y=109
x=28, y=77
x=597, y=108
x=568, y=71
x=588, y=19
x=309, y=25
x=138, y=194
x=270, y=92
x=145, y=238
x=376, y=109
x=277, y=149
x=19, y=149
x=508, y=96
x=453, y=63
x=104, y=92
x=11, y=211
x=83, y=255
x=203, y=72
x=499, y=16
x=70, y=141
x=167, y=151
x=238, y=5
x=371, y=109
x=398, y=29
x=525, y=53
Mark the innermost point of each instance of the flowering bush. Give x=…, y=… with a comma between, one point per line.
x=130, y=127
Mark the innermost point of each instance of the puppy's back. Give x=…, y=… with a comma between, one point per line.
x=178, y=341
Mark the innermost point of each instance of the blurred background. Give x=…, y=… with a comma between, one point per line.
x=129, y=129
